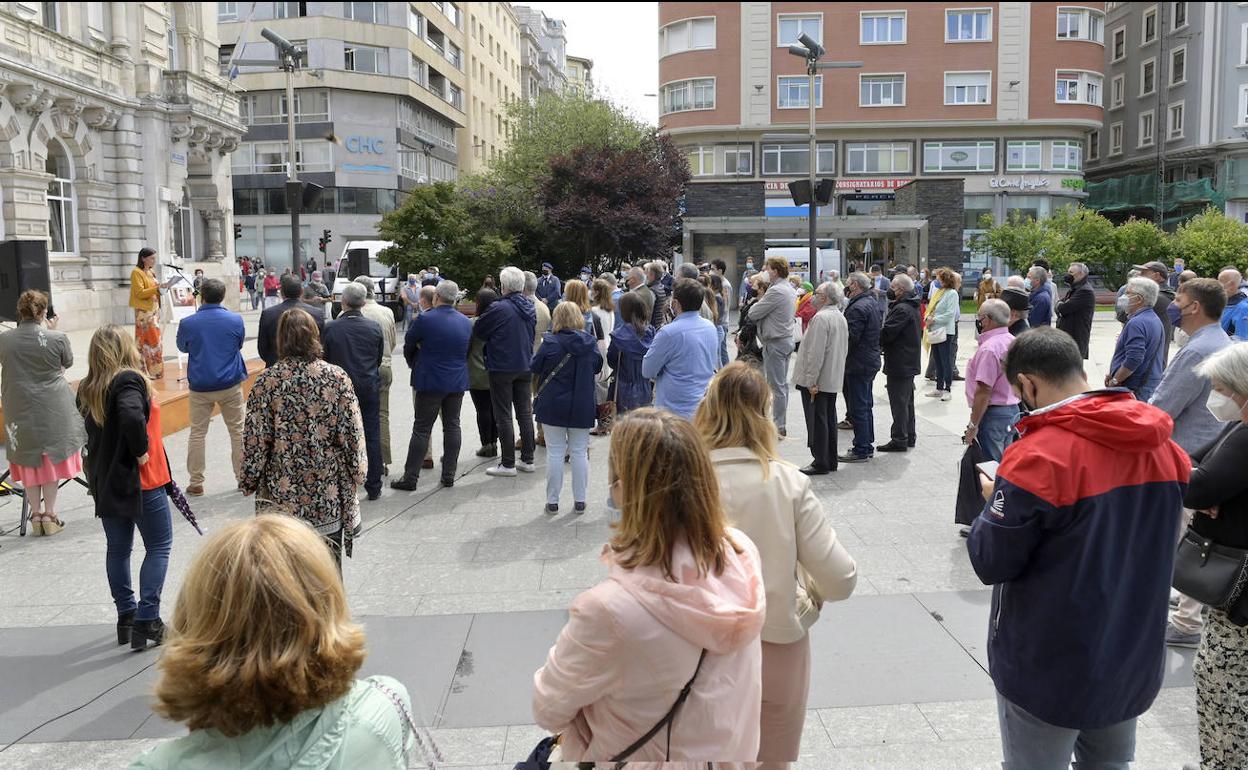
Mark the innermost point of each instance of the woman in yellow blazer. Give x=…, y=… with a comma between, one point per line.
x=145, y=299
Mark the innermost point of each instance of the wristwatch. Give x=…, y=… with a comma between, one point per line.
x=1113, y=382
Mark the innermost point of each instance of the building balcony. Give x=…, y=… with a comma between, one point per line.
x=209, y=98
x=34, y=46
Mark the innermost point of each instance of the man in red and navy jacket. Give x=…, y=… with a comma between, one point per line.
x=1078, y=541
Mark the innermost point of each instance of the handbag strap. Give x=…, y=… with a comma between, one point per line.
x=666, y=721
x=429, y=751
x=542, y=386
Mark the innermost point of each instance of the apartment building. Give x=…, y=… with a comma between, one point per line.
x=117, y=132
x=493, y=81
x=377, y=108
x=1176, y=110
x=998, y=95
x=543, y=53
x=581, y=75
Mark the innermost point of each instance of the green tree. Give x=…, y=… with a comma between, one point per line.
x=1018, y=242
x=1211, y=241
x=434, y=226
x=1078, y=234
x=1136, y=241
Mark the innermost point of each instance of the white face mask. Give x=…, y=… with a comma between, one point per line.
x=1224, y=407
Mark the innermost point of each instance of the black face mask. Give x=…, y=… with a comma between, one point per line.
x=892, y=296
x=1068, y=279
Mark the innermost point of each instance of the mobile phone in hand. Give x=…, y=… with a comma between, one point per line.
x=988, y=468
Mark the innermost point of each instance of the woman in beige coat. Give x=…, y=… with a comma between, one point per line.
x=804, y=564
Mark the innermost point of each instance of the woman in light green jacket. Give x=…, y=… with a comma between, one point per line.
x=260, y=661
x=941, y=329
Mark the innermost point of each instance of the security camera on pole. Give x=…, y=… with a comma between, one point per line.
x=816, y=194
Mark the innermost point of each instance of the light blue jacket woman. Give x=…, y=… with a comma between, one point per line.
x=945, y=315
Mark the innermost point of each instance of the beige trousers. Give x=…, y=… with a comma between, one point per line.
x=1187, y=616
x=233, y=410
x=387, y=377
x=786, y=685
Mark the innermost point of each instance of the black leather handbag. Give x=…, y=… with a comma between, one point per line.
x=1211, y=574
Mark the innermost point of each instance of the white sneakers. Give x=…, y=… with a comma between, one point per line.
x=501, y=470
x=943, y=395
x=946, y=396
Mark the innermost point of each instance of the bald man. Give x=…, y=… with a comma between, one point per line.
x=1235, y=316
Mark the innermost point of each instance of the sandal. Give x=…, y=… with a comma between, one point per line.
x=51, y=524
x=36, y=523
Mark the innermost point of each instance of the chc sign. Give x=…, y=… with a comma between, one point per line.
x=365, y=144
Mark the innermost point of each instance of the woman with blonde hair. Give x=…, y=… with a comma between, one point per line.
x=941, y=329
x=261, y=660
x=303, y=441
x=145, y=299
x=127, y=476
x=565, y=367
x=803, y=563
x=682, y=607
x=43, y=428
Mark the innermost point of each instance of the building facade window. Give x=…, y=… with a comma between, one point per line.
x=794, y=92
x=1023, y=156
x=1117, y=91
x=940, y=157
x=1080, y=24
x=271, y=157
x=1148, y=28
x=184, y=228
x=789, y=27
x=369, y=13
x=269, y=107
x=365, y=58
x=687, y=95
x=290, y=10
x=687, y=35
x=1174, y=121
x=50, y=16
x=1078, y=88
x=227, y=11
x=1115, y=138
x=1178, y=66
x=171, y=46
x=968, y=25
x=968, y=87
x=1119, y=42
x=1178, y=16
x=739, y=161
x=877, y=158
x=1094, y=145
x=1243, y=107
x=702, y=161
x=794, y=159
x=1146, y=130
x=1067, y=155
x=882, y=90
x=882, y=28
x=62, y=204
x=415, y=22
x=1148, y=77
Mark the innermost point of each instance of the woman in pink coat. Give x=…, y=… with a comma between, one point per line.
x=680, y=582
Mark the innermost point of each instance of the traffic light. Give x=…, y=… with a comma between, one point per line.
x=326, y=237
x=238, y=231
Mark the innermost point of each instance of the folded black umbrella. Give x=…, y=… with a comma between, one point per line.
x=970, y=493
x=180, y=502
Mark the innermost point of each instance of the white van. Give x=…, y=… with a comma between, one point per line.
x=798, y=258
x=360, y=258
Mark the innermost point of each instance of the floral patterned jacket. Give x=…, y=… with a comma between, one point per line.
x=303, y=445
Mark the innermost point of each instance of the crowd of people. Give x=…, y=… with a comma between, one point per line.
x=696, y=645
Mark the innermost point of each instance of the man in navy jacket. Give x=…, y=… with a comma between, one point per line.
x=1077, y=540
x=862, y=363
x=508, y=328
x=436, y=348
x=292, y=297
x=213, y=340
x=549, y=287
x=356, y=344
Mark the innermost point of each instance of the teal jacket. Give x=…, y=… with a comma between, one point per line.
x=362, y=729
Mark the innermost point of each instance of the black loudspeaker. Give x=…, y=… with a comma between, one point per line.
x=23, y=265
x=357, y=263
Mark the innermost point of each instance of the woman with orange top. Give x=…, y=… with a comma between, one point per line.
x=145, y=299
x=127, y=473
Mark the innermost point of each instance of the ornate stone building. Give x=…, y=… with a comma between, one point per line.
x=115, y=132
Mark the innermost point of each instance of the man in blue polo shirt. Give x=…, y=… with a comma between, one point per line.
x=1138, y=356
x=684, y=355
x=213, y=340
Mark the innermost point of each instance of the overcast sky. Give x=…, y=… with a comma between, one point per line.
x=622, y=39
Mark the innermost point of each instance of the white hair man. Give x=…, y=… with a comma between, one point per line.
x=543, y=312
x=1138, y=356
x=1074, y=312
x=1041, y=313
x=994, y=405
x=901, y=339
x=508, y=328
x=862, y=363
x=635, y=280
x=356, y=343
x=1235, y=316
x=1015, y=282
x=384, y=317
x=436, y=347
x=773, y=316
x=818, y=373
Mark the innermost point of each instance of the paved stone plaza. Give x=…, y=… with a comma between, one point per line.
x=463, y=590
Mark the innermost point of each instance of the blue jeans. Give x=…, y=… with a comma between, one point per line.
x=1031, y=744
x=942, y=354
x=573, y=442
x=858, y=404
x=723, y=346
x=156, y=528
x=994, y=429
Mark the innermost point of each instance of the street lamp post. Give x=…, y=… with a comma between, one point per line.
x=812, y=52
